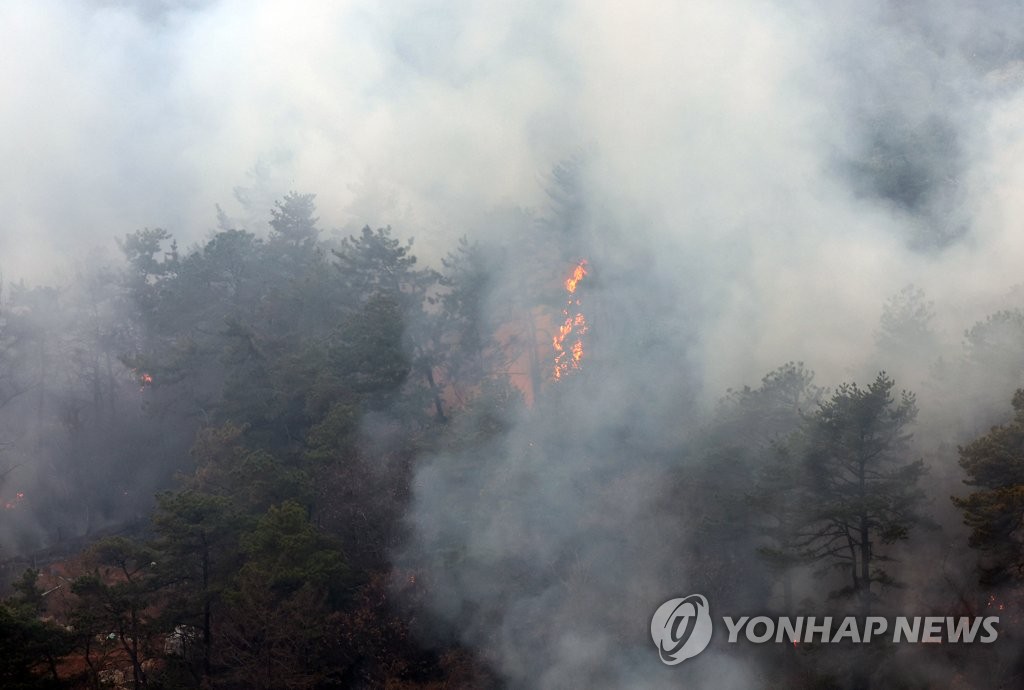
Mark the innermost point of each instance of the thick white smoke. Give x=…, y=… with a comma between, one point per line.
x=759, y=176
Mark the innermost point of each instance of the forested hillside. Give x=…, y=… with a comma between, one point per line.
x=309, y=460
x=579, y=344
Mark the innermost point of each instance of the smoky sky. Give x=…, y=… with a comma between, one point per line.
x=798, y=162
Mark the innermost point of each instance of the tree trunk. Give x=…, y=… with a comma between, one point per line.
x=438, y=406
x=535, y=376
x=865, y=566
x=207, y=631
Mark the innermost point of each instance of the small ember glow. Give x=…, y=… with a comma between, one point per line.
x=143, y=378
x=574, y=327
x=13, y=503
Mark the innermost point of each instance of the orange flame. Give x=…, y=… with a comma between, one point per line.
x=143, y=378
x=576, y=277
x=13, y=503
x=570, y=358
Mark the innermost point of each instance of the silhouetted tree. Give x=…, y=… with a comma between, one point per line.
x=865, y=493
x=994, y=463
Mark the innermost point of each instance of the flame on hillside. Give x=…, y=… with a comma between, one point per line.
x=568, y=342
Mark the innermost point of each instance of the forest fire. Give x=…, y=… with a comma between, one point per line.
x=576, y=277
x=574, y=327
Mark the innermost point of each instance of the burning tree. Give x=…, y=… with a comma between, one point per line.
x=568, y=343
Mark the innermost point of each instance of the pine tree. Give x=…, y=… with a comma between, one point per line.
x=994, y=463
x=863, y=490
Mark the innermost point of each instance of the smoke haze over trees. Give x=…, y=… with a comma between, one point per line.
x=436, y=345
